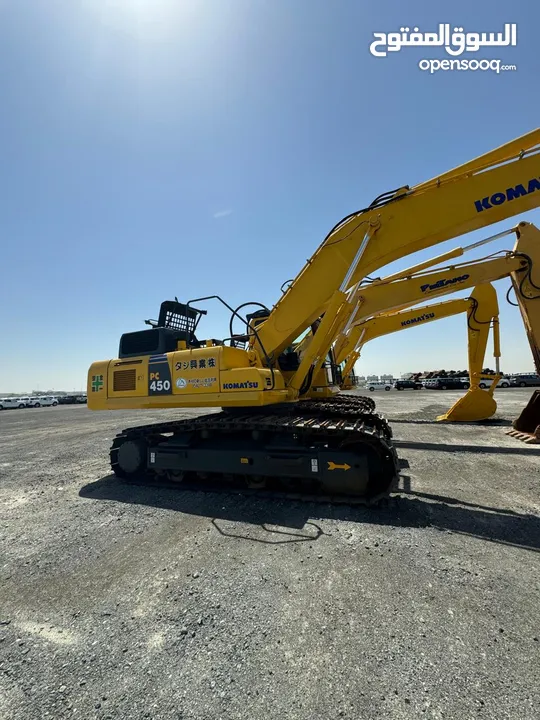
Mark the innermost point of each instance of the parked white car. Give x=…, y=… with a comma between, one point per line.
x=503, y=383
x=372, y=386
x=11, y=403
x=44, y=401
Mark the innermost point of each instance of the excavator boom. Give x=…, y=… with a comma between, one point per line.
x=498, y=185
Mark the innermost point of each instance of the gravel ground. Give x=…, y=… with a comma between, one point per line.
x=130, y=602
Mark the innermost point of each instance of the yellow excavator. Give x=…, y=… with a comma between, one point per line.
x=393, y=322
x=482, y=310
x=269, y=432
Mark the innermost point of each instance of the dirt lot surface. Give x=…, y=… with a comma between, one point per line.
x=132, y=602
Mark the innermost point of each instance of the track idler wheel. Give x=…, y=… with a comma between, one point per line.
x=128, y=458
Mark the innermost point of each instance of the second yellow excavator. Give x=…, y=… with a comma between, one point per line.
x=380, y=297
x=482, y=311
x=393, y=322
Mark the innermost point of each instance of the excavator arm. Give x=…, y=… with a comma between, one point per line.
x=482, y=315
x=495, y=186
x=479, y=404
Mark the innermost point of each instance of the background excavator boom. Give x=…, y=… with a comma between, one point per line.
x=482, y=315
x=483, y=301
x=522, y=265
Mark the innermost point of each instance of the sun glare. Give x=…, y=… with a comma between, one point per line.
x=147, y=19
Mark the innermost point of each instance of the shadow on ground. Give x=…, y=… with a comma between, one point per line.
x=520, y=449
x=405, y=509
x=498, y=422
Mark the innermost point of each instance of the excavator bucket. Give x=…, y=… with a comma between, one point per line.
x=475, y=405
x=527, y=426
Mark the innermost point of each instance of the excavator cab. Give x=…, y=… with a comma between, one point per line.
x=176, y=322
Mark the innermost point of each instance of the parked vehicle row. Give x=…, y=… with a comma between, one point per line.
x=454, y=383
x=26, y=402
x=448, y=383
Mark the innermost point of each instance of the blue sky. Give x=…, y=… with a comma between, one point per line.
x=153, y=148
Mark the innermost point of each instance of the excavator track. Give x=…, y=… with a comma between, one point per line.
x=346, y=403
x=321, y=455
x=345, y=407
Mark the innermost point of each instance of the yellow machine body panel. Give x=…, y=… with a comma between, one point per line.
x=197, y=377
